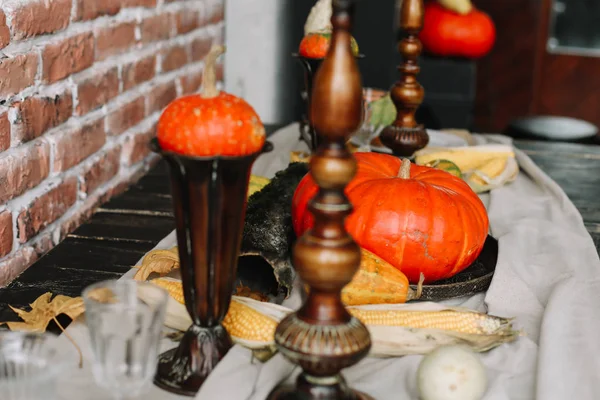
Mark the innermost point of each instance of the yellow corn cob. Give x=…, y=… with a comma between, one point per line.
x=241, y=321
x=463, y=322
x=467, y=159
x=256, y=184
x=174, y=288
x=244, y=322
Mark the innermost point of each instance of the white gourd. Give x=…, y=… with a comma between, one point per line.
x=451, y=373
x=319, y=18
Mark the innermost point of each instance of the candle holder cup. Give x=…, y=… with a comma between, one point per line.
x=209, y=201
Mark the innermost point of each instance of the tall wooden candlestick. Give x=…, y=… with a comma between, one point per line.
x=322, y=337
x=405, y=135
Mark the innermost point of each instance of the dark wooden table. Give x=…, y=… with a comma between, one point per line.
x=128, y=226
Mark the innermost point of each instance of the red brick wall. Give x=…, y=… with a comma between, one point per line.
x=82, y=84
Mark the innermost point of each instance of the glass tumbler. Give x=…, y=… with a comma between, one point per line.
x=125, y=320
x=30, y=365
x=365, y=135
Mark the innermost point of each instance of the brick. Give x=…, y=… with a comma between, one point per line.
x=158, y=27
x=17, y=73
x=126, y=116
x=6, y=233
x=215, y=11
x=37, y=114
x=43, y=243
x=174, y=58
x=76, y=219
x=88, y=10
x=139, y=3
x=114, y=39
x=4, y=131
x=137, y=147
x=138, y=72
x=37, y=17
x=133, y=177
x=15, y=264
x=102, y=170
x=187, y=21
x=46, y=209
x=4, y=31
x=191, y=82
x=23, y=168
x=75, y=145
x=96, y=90
x=160, y=96
x=63, y=58
x=200, y=47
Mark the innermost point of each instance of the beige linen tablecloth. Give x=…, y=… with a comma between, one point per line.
x=547, y=276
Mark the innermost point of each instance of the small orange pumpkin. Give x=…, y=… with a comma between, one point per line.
x=316, y=45
x=211, y=123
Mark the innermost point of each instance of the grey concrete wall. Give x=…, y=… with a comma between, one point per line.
x=261, y=36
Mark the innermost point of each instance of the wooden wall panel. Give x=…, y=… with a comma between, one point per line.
x=519, y=77
x=570, y=86
x=505, y=77
x=567, y=85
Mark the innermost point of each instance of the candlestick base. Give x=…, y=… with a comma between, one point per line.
x=184, y=369
x=315, y=388
x=404, y=142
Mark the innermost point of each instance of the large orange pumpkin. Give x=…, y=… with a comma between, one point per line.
x=419, y=219
x=211, y=123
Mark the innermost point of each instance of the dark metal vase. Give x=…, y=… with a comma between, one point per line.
x=209, y=201
x=307, y=132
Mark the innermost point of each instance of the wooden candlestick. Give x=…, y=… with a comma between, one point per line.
x=322, y=337
x=405, y=135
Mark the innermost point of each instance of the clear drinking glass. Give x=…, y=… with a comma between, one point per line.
x=125, y=320
x=367, y=132
x=30, y=365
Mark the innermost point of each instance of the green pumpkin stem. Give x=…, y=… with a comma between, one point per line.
x=404, y=172
x=209, y=75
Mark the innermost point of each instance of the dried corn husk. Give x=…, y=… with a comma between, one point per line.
x=483, y=167
x=388, y=340
x=160, y=262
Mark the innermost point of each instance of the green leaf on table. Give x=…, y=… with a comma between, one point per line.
x=382, y=112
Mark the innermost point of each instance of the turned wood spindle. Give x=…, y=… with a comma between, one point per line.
x=322, y=337
x=405, y=136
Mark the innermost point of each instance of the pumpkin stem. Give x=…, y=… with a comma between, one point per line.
x=404, y=172
x=420, y=286
x=209, y=75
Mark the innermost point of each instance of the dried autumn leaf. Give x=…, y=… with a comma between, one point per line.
x=44, y=309
x=103, y=295
x=158, y=261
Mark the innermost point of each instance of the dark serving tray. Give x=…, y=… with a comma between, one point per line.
x=474, y=279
